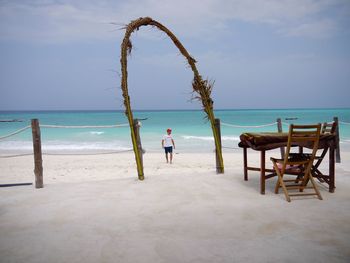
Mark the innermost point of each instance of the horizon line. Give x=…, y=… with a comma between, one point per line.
x=138, y=110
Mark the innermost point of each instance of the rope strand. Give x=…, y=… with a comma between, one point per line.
x=100, y=153
x=46, y=153
x=248, y=126
x=83, y=127
x=15, y=155
x=14, y=133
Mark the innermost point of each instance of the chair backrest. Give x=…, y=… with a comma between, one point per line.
x=329, y=127
x=303, y=135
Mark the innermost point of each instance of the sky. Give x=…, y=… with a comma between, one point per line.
x=261, y=54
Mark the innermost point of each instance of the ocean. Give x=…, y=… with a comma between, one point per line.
x=191, y=130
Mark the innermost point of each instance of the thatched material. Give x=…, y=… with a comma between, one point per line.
x=201, y=87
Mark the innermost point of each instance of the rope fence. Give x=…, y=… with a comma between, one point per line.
x=98, y=153
x=65, y=154
x=248, y=126
x=37, y=140
x=83, y=127
x=265, y=125
x=15, y=132
x=15, y=155
x=37, y=152
x=64, y=127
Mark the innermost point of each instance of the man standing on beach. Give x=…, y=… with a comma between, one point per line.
x=168, y=144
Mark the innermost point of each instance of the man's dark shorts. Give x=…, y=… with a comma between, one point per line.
x=168, y=149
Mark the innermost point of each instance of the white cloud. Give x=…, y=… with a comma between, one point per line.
x=276, y=11
x=52, y=21
x=318, y=29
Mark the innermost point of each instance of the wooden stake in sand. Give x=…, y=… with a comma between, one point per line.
x=38, y=162
x=201, y=88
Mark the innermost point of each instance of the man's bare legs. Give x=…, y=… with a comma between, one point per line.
x=171, y=157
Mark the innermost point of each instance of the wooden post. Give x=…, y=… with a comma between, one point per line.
x=38, y=161
x=279, y=128
x=219, y=168
x=332, y=167
x=337, y=149
x=262, y=171
x=245, y=164
x=137, y=126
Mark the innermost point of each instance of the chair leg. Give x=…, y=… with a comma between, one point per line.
x=281, y=183
x=308, y=177
x=278, y=180
x=315, y=187
x=305, y=181
x=278, y=185
x=300, y=180
x=284, y=188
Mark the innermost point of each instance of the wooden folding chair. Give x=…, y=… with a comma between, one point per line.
x=302, y=136
x=327, y=128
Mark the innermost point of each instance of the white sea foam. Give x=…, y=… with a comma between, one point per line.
x=230, y=138
x=96, y=132
x=64, y=146
x=210, y=138
x=345, y=141
x=202, y=138
x=16, y=145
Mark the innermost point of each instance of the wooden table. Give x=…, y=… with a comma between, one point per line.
x=268, y=141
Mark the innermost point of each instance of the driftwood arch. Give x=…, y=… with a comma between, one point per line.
x=201, y=87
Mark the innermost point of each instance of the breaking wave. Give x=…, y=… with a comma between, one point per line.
x=210, y=138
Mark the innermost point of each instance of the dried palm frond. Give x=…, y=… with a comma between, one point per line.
x=201, y=88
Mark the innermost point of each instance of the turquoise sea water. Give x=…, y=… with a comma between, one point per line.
x=191, y=131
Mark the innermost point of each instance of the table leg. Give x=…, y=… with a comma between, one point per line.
x=262, y=172
x=245, y=164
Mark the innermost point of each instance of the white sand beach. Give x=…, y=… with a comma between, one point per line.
x=94, y=209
